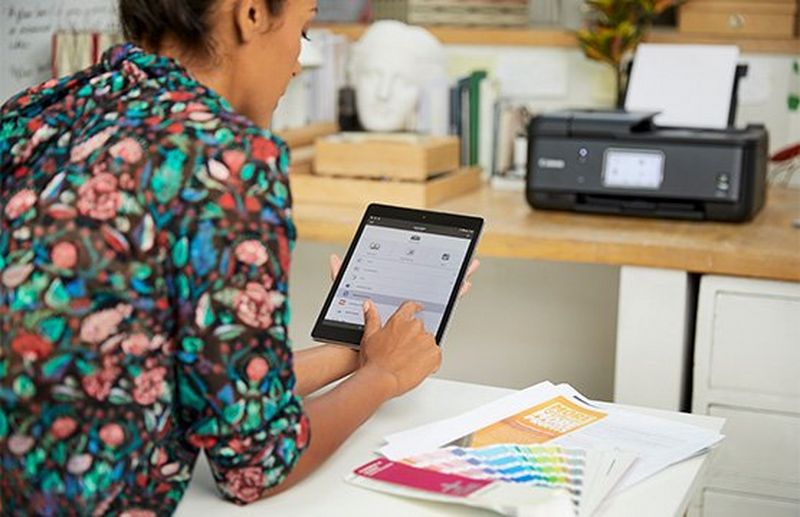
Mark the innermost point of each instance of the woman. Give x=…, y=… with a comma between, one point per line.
x=145, y=237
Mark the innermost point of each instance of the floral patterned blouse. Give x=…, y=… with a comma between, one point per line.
x=145, y=237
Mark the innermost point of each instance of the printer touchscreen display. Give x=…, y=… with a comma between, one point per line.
x=633, y=168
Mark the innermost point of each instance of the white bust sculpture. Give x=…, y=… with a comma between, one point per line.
x=392, y=67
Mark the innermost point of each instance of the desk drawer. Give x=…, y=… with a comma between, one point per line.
x=731, y=504
x=750, y=19
x=755, y=343
x=760, y=453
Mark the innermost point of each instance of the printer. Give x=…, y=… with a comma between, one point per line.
x=618, y=162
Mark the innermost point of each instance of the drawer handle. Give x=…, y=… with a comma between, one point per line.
x=736, y=21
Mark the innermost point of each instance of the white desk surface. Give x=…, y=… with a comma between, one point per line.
x=325, y=493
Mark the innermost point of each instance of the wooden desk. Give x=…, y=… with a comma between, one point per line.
x=661, y=261
x=768, y=247
x=325, y=493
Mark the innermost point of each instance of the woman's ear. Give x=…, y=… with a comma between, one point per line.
x=250, y=18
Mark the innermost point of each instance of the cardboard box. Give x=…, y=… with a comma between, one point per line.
x=763, y=19
x=396, y=156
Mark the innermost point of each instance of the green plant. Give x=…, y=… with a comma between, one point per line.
x=616, y=28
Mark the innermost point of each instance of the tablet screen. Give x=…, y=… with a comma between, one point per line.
x=395, y=261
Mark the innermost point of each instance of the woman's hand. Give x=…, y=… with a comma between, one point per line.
x=401, y=353
x=397, y=357
x=336, y=265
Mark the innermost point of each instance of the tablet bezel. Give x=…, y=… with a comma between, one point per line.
x=352, y=337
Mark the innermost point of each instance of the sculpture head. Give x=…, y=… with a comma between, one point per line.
x=390, y=67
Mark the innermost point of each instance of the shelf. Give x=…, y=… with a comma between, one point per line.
x=478, y=35
x=564, y=38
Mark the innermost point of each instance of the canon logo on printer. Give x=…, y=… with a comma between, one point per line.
x=551, y=163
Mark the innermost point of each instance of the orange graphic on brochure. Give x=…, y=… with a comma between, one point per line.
x=539, y=424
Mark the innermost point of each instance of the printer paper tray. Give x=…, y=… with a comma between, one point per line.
x=672, y=209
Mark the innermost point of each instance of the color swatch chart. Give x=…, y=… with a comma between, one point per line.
x=536, y=465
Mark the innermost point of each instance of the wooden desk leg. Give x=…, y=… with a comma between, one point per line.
x=655, y=326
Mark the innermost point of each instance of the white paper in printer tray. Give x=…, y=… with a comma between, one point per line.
x=691, y=85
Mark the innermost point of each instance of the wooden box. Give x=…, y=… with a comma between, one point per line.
x=742, y=18
x=301, y=144
x=313, y=188
x=370, y=155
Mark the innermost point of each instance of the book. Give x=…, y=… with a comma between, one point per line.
x=490, y=90
x=463, y=118
x=475, y=80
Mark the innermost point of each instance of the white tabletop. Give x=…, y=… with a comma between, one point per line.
x=325, y=492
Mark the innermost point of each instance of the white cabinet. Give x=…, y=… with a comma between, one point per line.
x=728, y=504
x=747, y=370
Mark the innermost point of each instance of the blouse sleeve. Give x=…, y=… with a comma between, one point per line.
x=229, y=265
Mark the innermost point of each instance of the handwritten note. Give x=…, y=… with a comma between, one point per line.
x=26, y=30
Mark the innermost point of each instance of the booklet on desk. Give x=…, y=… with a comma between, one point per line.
x=560, y=416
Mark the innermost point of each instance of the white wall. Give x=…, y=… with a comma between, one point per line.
x=565, y=76
x=523, y=322
x=763, y=96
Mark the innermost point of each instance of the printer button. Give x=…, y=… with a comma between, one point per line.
x=723, y=182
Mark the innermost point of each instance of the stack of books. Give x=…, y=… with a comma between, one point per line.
x=73, y=51
x=505, y=13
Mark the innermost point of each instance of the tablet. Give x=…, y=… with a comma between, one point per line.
x=398, y=255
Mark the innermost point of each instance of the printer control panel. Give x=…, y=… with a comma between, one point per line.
x=608, y=167
x=619, y=162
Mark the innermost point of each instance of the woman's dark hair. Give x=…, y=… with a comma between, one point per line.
x=146, y=22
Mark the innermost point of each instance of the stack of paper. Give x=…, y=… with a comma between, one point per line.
x=690, y=85
x=619, y=447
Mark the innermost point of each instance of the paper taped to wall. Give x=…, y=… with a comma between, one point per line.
x=26, y=32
